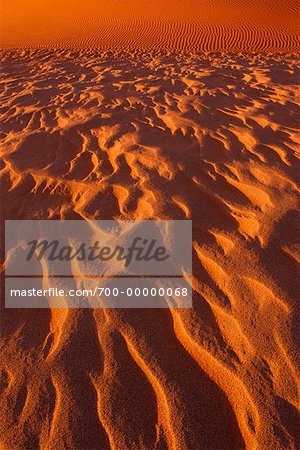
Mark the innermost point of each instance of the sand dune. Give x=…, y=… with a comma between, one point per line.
x=244, y=25
x=214, y=138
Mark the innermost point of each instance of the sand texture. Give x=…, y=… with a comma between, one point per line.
x=103, y=135
x=194, y=25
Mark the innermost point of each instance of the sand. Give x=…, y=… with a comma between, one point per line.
x=219, y=25
x=164, y=110
x=214, y=138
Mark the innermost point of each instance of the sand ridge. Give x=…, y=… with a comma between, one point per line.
x=245, y=25
x=138, y=135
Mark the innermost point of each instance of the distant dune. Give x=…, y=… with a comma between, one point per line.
x=221, y=25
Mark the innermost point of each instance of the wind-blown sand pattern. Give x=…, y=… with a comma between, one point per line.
x=215, y=138
x=194, y=25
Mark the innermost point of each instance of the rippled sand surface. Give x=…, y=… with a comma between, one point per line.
x=215, y=139
x=192, y=25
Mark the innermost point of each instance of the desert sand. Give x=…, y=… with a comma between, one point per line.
x=126, y=131
x=206, y=25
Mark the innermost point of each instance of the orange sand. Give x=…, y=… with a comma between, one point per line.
x=148, y=136
x=134, y=129
x=246, y=25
